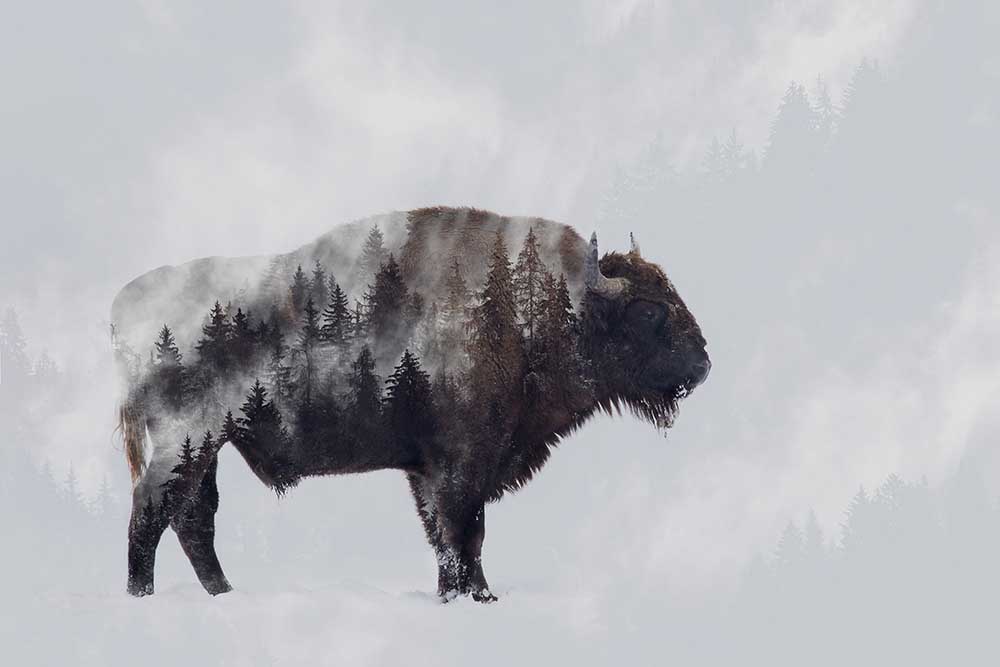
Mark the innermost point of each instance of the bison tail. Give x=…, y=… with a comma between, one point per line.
x=132, y=425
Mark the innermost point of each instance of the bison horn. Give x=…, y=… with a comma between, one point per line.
x=595, y=280
x=635, y=245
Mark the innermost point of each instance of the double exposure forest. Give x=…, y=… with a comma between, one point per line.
x=329, y=375
x=315, y=360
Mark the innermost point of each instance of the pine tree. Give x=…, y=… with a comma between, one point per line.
x=213, y=348
x=734, y=156
x=13, y=359
x=793, y=141
x=457, y=294
x=318, y=286
x=529, y=274
x=408, y=407
x=788, y=556
x=454, y=316
x=167, y=353
x=244, y=339
x=857, y=528
x=230, y=429
x=278, y=373
x=825, y=114
x=373, y=254
x=309, y=336
x=427, y=339
x=494, y=334
x=186, y=458
x=168, y=371
x=364, y=392
x=299, y=290
x=387, y=319
x=260, y=427
x=274, y=283
x=207, y=449
x=337, y=326
x=558, y=326
x=182, y=471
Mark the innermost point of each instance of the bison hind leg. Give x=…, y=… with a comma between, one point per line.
x=195, y=529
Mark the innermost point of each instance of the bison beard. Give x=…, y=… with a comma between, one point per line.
x=497, y=366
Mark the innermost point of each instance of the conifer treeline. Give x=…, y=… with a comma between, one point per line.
x=314, y=362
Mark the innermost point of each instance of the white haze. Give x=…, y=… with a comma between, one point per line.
x=150, y=133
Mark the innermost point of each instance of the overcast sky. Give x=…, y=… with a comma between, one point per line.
x=137, y=134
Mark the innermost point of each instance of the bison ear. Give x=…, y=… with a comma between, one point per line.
x=635, y=245
x=594, y=280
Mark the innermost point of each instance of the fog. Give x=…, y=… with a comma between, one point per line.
x=845, y=275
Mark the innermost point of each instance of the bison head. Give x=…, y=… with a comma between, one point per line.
x=647, y=349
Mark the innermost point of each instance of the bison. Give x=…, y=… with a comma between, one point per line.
x=456, y=365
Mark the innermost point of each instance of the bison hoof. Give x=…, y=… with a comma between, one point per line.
x=484, y=596
x=139, y=590
x=218, y=587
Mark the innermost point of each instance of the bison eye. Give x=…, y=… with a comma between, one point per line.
x=645, y=314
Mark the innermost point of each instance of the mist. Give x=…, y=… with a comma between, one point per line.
x=842, y=264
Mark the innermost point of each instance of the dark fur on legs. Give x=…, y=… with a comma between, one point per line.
x=194, y=525
x=146, y=527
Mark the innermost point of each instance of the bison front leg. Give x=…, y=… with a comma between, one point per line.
x=455, y=530
x=463, y=533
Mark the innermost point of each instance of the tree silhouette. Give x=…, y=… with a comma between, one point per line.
x=278, y=373
x=454, y=315
x=527, y=281
x=337, y=329
x=179, y=485
x=260, y=428
x=169, y=373
x=494, y=333
x=364, y=398
x=213, y=348
x=557, y=357
x=13, y=359
x=792, y=145
x=309, y=336
x=373, y=253
x=207, y=449
x=167, y=353
x=244, y=340
x=317, y=286
x=408, y=405
x=388, y=323
x=299, y=290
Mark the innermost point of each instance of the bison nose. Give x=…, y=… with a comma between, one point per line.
x=699, y=372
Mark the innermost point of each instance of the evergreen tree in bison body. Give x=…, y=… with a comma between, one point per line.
x=309, y=336
x=169, y=376
x=244, y=340
x=373, y=254
x=364, y=408
x=299, y=290
x=338, y=326
x=318, y=286
x=263, y=439
x=494, y=333
x=528, y=283
x=388, y=323
x=408, y=407
x=213, y=348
